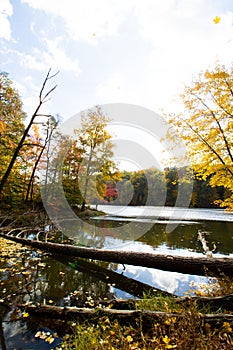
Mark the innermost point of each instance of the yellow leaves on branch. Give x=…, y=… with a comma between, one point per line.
x=206, y=126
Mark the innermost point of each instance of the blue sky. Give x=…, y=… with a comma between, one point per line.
x=112, y=52
x=130, y=51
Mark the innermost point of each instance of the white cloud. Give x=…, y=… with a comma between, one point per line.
x=54, y=56
x=6, y=11
x=118, y=89
x=87, y=20
x=178, y=39
x=184, y=37
x=113, y=88
x=29, y=93
x=58, y=58
x=183, y=41
x=21, y=88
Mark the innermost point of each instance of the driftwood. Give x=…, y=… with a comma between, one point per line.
x=127, y=316
x=190, y=265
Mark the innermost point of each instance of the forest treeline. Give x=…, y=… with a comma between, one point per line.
x=39, y=162
x=155, y=187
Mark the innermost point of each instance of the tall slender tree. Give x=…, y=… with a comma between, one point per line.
x=50, y=126
x=97, y=150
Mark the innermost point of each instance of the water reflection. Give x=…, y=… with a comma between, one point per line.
x=32, y=276
x=101, y=233
x=185, y=237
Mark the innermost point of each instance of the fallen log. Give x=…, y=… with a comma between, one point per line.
x=130, y=316
x=224, y=302
x=183, y=264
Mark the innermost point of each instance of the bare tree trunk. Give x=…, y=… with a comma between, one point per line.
x=30, y=184
x=183, y=264
x=33, y=173
x=86, y=180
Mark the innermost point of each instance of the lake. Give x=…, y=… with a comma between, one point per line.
x=64, y=281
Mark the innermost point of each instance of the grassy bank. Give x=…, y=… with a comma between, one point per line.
x=189, y=332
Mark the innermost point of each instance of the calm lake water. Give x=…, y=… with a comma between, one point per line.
x=64, y=281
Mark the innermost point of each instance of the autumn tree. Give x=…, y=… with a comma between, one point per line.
x=206, y=127
x=70, y=171
x=15, y=105
x=12, y=127
x=39, y=144
x=96, y=147
x=111, y=192
x=30, y=150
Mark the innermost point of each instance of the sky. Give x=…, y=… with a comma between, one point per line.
x=111, y=51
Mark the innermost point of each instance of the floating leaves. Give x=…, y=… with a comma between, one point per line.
x=46, y=336
x=20, y=270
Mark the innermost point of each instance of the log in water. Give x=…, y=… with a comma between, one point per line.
x=189, y=265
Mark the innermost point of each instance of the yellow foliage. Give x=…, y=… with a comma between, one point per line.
x=206, y=127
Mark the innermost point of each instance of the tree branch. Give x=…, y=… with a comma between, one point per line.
x=219, y=126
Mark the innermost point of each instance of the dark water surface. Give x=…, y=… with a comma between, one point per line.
x=41, y=278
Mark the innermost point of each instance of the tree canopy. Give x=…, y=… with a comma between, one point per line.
x=21, y=146
x=206, y=126
x=96, y=151
x=84, y=165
